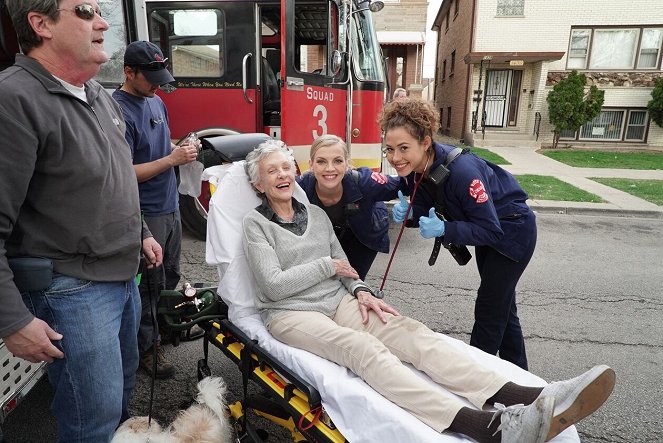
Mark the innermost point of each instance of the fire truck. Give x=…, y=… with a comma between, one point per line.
x=292, y=69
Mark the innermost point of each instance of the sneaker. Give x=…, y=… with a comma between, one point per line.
x=579, y=397
x=525, y=424
x=164, y=368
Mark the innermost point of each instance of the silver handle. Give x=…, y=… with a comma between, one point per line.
x=244, y=71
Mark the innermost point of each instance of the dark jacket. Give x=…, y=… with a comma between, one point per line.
x=368, y=191
x=68, y=190
x=485, y=204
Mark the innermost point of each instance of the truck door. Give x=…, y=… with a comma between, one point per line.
x=211, y=49
x=312, y=103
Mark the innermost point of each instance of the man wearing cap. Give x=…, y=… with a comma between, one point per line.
x=154, y=159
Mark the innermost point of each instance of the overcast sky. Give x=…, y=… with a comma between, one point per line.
x=431, y=39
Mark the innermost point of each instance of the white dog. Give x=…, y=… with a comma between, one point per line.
x=205, y=422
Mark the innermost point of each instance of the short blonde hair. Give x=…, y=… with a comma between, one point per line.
x=326, y=141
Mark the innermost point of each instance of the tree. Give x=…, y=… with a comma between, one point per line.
x=570, y=106
x=655, y=105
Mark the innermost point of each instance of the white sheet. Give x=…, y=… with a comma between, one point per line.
x=360, y=413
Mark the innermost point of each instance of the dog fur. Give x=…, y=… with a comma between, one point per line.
x=203, y=422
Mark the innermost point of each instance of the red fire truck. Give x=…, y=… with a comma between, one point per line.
x=293, y=69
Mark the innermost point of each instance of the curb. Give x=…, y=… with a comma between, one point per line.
x=610, y=212
x=563, y=208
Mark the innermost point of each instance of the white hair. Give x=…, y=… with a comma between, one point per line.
x=253, y=159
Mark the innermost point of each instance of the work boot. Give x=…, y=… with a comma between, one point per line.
x=578, y=397
x=525, y=424
x=164, y=368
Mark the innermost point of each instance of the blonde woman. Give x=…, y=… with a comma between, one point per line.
x=353, y=199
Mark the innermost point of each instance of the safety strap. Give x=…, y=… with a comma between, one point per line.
x=439, y=200
x=155, y=333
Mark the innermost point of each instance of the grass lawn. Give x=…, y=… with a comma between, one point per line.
x=490, y=156
x=543, y=187
x=607, y=159
x=650, y=190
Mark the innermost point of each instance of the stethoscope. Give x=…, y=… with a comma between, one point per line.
x=417, y=182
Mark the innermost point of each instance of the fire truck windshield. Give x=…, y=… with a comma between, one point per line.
x=366, y=54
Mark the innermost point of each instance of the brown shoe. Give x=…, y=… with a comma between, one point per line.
x=164, y=368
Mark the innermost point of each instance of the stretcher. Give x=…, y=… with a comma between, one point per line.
x=315, y=399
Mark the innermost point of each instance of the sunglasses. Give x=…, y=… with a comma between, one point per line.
x=84, y=11
x=153, y=66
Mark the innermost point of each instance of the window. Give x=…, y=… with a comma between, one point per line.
x=615, y=48
x=452, y=67
x=112, y=72
x=449, y=117
x=444, y=70
x=613, y=125
x=456, y=5
x=506, y=8
x=194, y=38
x=446, y=22
x=636, y=126
x=367, y=55
x=650, y=48
x=578, y=49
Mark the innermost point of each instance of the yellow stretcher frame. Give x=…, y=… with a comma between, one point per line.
x=286, y=399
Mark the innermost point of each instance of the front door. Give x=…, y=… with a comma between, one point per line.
x=497, y=81
x=502, y=97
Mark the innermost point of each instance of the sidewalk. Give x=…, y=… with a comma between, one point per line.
x=525, y=160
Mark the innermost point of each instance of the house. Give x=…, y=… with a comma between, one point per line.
x=401, y=32
x=497, y=60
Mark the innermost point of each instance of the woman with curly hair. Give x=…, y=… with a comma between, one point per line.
x=465, y=200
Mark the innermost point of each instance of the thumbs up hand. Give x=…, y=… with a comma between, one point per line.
x=431, y=226
x=400, y=209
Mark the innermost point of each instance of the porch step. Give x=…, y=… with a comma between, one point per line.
x=505, y=138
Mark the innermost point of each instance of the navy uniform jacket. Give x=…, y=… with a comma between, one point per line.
x=486, y=204
x=371, y=222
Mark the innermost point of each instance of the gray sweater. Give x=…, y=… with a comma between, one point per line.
x=295, y=273
x=68, y=190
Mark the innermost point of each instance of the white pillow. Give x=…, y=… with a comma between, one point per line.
x=232, y=200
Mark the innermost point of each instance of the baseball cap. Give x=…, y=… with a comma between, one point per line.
x=148, y=59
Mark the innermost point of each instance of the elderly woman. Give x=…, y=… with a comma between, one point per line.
x=311, y=298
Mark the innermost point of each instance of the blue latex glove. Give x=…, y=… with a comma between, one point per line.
x=431, y=226
x=400, y=209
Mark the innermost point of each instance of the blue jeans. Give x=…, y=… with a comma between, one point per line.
x=95, y=379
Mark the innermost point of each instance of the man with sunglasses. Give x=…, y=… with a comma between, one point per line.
x=154, y=158
x=69, y=200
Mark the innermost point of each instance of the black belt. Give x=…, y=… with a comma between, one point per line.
x=435, y=252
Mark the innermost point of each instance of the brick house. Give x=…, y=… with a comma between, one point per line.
x=499, y=59
x=401, y=32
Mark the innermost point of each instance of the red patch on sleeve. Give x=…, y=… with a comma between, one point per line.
x=478, y=191
x=379, y=178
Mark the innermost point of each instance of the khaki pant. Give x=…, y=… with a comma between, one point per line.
x=375, y=352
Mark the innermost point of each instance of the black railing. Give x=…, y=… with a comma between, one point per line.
x=537, y=125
